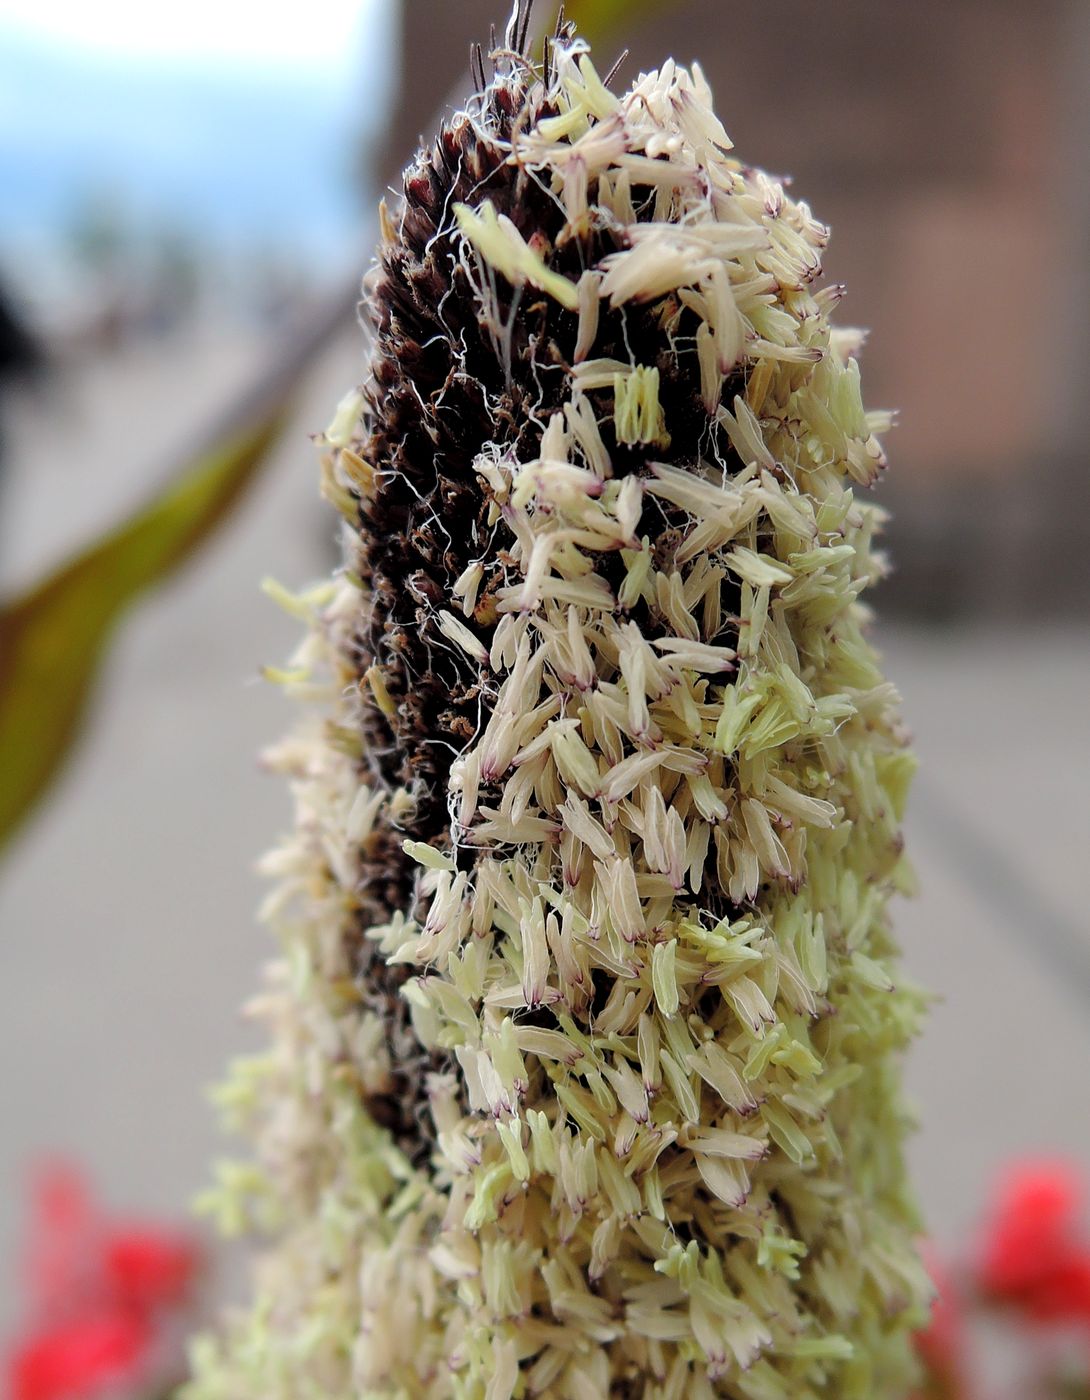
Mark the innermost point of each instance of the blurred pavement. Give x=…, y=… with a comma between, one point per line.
x=127, y=937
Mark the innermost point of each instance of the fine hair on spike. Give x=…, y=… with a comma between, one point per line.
x=476, y=67
x=518, y=26
x=618, y=64
x=586, y=1030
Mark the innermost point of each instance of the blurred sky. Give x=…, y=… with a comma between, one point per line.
x=232, y=122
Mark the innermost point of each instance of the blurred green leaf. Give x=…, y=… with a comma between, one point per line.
x=601, y=20
x=52, y=638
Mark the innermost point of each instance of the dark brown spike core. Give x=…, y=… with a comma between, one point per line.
x=439, y=395
x=447, y=381
x=450, y=379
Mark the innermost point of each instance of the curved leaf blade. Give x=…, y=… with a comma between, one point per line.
x=53, y=637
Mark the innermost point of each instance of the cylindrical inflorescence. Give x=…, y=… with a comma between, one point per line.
x=585, y=1067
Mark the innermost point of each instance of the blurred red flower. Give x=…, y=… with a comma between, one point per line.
x=80, y=1359
x=101, y=1295
x=147, y=1267
x=1035, y=1255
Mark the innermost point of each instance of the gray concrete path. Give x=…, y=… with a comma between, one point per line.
x=127, y=938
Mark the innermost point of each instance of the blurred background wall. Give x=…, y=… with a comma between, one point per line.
x=177, y=203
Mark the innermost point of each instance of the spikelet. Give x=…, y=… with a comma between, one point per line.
x=584, y=1078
